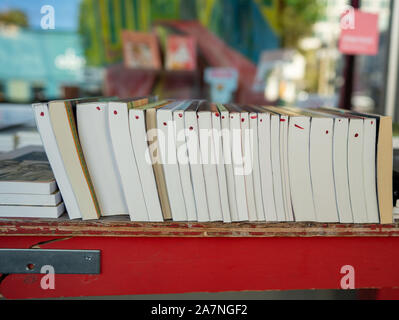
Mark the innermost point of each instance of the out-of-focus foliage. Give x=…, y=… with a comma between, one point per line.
x=297, y=18
x=248, y=26
x=14, y=17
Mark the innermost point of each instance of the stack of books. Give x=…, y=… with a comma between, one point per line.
x=198, y=161
x=27, y=185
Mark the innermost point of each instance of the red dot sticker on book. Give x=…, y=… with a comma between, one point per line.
x=98, y=108
x=191, y=128
x=165, y=124
x=254, y=117
x=299, y=127
x=356, y=135
x=115, y=112
x=327, y=132
x=180, y=115
x=242, y=120
x=137, y=117
x=42, y=114
x=223, y=117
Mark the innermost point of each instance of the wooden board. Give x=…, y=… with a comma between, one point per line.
x=122, y=227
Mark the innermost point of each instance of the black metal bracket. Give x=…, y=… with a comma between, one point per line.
x=62, y=261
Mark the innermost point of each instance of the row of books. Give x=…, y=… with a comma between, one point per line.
x=198, y=161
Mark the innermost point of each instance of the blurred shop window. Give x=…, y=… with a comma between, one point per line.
x=2, y=91
x=370, y=71
x=18, y=91
x=38, y=92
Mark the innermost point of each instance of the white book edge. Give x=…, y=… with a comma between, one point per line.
x=138, y=137
x=369, y=168
x=220, y=166
x=356, y=172
x=184, y=165
x=266, y=171
x=284, y=122
x=30, y=199
x=299, y=169
x=118, y=121
x=276, y=166
x=321, y=166
x=253, y=124
x=238, y=166
x=246, y=137
x=227, y=156
x=45, y=128
x=341, y=129
x=197, y=173
x=32, y=211
x=167, y=150
x=207, y=150
x=94, y=136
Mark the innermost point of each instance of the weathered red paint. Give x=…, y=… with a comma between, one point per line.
x=178, y=265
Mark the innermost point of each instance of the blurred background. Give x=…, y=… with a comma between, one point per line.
x=280, y=52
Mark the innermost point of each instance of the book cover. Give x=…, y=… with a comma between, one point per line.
x=26, y=171
x=140, y=50
x=181, y=53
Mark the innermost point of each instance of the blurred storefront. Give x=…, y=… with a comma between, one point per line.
x=39, y=65
x=285, y=52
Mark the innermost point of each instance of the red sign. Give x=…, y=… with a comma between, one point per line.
x=361, y=36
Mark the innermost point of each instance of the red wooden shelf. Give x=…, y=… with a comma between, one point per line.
x=122, y=227
x=157, y=258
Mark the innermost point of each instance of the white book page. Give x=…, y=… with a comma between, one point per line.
x=370, y=162
x=209, y=165
x=138, y=134
x=266, y=167
x=167, y=150
x=197, y=173
x=284, y=121
x=276, y=166
x=226, y=142
x=246, y=137
x=220, y=166
x=32, y=211
x=299, y=169
x=341, y=129
x=94, y=136
x=355, y=167
x=238, y=166
x=118, y=121
x=321, y=165
x=53, y=154
x=184, y=165
x=253, y=124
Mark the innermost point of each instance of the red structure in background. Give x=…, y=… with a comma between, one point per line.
x=213, y=52
x=126, y=83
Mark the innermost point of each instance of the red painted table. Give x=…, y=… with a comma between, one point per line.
x=158, y=258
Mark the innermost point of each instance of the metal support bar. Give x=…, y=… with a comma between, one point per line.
x=62, y=261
